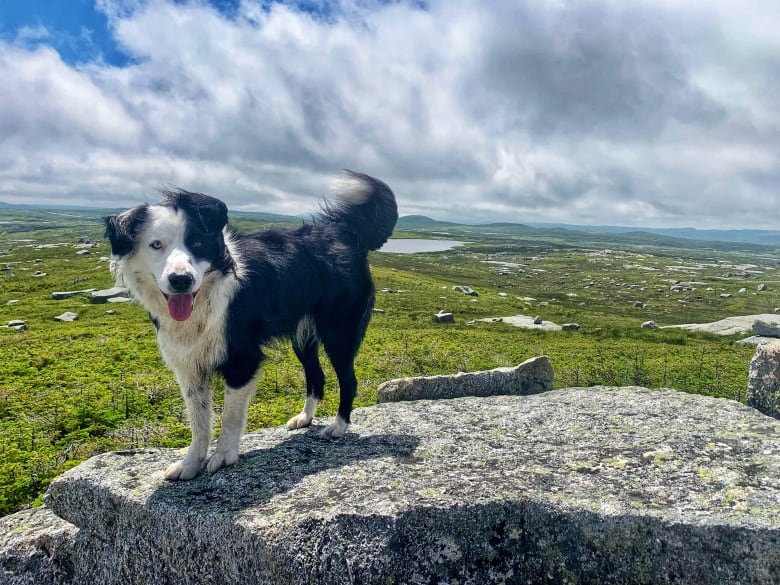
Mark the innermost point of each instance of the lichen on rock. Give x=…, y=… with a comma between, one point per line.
x=583, y=485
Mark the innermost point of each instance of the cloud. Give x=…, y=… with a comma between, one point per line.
x=587, y=112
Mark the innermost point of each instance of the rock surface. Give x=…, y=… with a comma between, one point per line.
x=763, y=329
x=530, y=377
x=66, y=294
x=525, y=322
x=730, y=325
x=763, y=391
x=67, y=316
x=109, y=294
x=584, y=485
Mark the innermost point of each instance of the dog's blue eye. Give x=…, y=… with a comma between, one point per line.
x=156, y=245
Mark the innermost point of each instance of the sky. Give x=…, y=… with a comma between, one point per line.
x=662, y=113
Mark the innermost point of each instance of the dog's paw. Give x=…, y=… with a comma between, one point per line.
x=183, y=470
x=335, y=430
x=299, y=421
x=221, y=459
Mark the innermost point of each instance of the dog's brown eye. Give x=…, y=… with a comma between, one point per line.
x=156, y=245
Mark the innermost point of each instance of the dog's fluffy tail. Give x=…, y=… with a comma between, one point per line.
x=365, y=205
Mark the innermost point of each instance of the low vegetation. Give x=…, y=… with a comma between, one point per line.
x=70, y=390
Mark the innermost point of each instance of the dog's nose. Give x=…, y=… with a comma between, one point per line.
x=180, y=282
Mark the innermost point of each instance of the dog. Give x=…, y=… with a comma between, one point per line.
x=216, y=297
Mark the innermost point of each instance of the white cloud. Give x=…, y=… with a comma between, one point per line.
x=597, y=112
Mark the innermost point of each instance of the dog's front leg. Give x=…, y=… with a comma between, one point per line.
x=198, y=397
x=234, y=415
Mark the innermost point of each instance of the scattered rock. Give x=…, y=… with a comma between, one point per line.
x=503, y=295
x=83, y=253
x=13, y=302
x=466, y=290
x=762, y=287
x=62, y=295
x=763, y=392
x=570, y=327
x=120, y=300
x=110, y=312
x=108, y=294
x=443, y=317
x=725, y=295
x=39, y=274
x=15, y=322
x=524, y=322
x=530, y=377
x=375, y=310
x=764, y=329
x=756, y=339
x=66, y=317
x=538, y=320
x=649, y=325
x=729, y=325
x=742, y=290
x=639, y=304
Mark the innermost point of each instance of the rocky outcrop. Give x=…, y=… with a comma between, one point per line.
x=763, y=329
x=525, y=322
x=110, y=294
x=531, y=377
x=729, y=325
x=583, y=485
x=763, y=391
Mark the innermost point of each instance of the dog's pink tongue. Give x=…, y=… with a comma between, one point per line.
x=180, y=306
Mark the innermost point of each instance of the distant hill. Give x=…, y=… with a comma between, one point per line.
x=768, y=237
x=410, y=222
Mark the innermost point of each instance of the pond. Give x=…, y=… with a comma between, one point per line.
x=415, y=246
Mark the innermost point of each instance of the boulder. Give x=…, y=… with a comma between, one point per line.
x=62, y=295
x=466, y=290
x=649, y=325
x=764, y=329
x=66, y=317
x=584, y=485
x=443, y=317
x=107, y=295
x=530, y=377
x=763, y=391
x=570, y=327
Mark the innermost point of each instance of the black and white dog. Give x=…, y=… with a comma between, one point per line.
x=215, y=296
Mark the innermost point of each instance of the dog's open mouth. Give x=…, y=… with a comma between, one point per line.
x=180, y=304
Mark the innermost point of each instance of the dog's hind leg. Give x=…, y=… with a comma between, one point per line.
x=198, y=397
x=341, y=343
x=306, y=347
x=234, y=415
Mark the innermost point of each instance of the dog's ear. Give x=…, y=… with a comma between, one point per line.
x=123, y=229
x=208, y=214
x=213, y=213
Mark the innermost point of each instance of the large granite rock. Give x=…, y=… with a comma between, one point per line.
x=764, y=379
x=533, y=376
x=584, y=485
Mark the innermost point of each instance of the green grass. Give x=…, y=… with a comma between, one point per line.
x=71, y=390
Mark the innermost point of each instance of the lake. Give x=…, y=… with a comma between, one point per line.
x=414, y=246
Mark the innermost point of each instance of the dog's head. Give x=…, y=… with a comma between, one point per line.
x=178, y=242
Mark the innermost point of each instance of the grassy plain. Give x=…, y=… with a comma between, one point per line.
x=70, y=390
